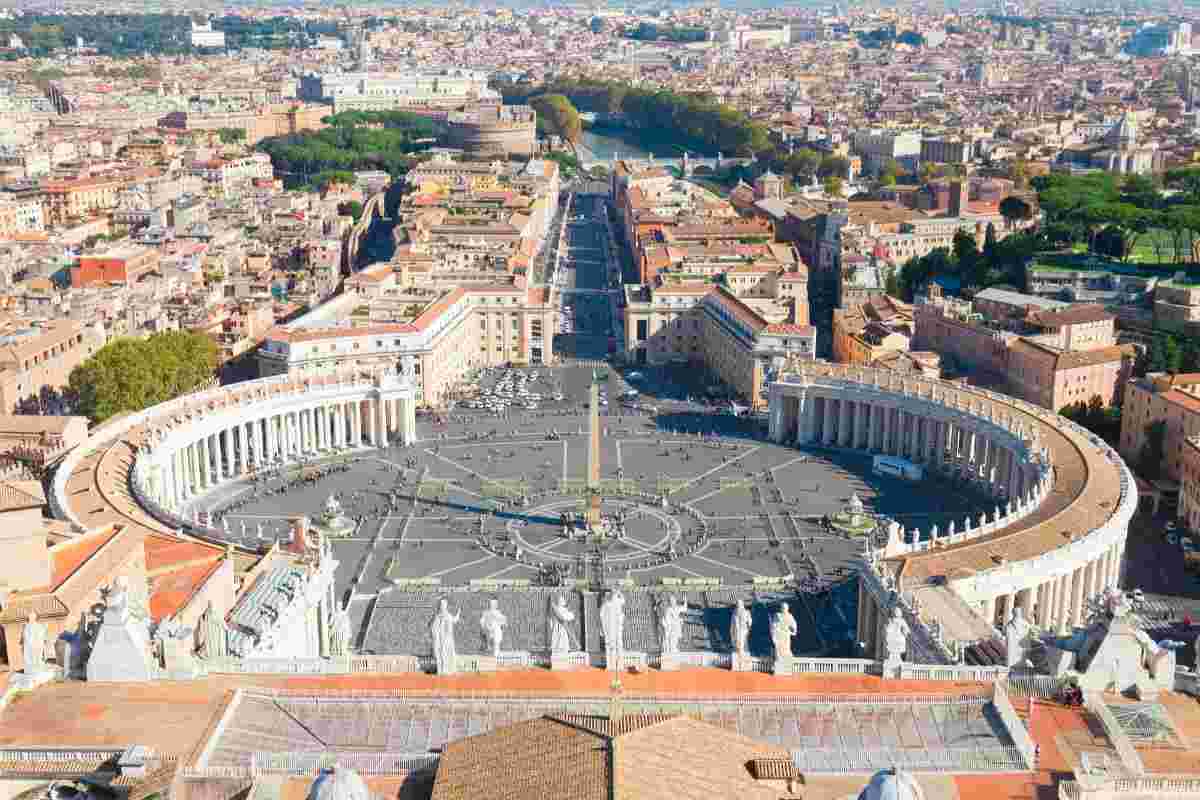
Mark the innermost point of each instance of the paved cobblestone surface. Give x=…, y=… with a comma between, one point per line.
x=436, y=512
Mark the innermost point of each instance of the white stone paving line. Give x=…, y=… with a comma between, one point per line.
x=724, y=565
x=441, y=572
x=717, y=468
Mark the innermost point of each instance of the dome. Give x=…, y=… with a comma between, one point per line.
x=892, y=784
x=339, y=783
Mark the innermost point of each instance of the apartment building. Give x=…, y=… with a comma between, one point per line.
x=41, y=355
x=864, y=333
x=1158, y=397
x=737, y=339
x=1051, y=358
x=449, y=332
x=123, y=264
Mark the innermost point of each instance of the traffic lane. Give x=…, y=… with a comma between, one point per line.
x=1154, y=565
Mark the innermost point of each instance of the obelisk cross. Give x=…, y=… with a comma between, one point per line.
x=592, y=511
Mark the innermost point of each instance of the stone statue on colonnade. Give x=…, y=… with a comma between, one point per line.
x=739, y=629
x=783, y=628
x=445, y=655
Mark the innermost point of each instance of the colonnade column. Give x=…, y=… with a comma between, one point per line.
x=1077, y=583
x=845, y=430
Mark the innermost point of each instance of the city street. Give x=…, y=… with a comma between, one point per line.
x=590, y=329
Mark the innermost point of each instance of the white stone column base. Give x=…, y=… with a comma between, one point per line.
x=783, y=666
x=741, y=662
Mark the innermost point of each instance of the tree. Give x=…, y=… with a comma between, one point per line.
x=989, y=241
x=1019, y=172
x=1015, y=210
x=231, y=135
x=833, y=186
x=558, y=116
x=888, y=173
x=132, y=374
x=1104, y=421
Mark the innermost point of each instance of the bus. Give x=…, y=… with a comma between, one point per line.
x=894, y=467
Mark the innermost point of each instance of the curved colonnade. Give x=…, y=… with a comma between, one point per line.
x=188, y=446
x=1056, y=535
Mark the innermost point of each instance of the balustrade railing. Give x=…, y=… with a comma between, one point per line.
x=265, y=763
x=1016, y=729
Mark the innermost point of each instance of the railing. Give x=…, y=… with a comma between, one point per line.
x=946, y=759
x=449, y=697
x=36, y=755
x=1044, y=687
x=1130, y=759
x=838, y=666
x=1069, y=790
x=951, y=672
x=1016, y=729
x=309, y=764
x=1123, y=787
x=281, y=666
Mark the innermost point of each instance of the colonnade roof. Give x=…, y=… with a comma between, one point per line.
x=1086, y=491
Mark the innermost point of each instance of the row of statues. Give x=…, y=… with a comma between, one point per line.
x=559, y=621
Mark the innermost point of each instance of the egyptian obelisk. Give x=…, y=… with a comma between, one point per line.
x=592, y=510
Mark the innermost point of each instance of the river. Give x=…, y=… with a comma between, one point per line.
x=601, y=144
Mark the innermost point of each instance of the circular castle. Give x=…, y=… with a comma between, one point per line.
x=1017, y=508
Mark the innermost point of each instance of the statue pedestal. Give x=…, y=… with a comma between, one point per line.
x=179, y=661
x=509, y=659
x=783, y=666
x=890, y=668
x=741, y=662
x=338, y=527
x=573, y=660
x=121, y=651
x=28, y=681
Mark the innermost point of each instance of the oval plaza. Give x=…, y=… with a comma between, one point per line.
x=470, y=513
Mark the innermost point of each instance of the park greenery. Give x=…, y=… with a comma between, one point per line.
x=556, y=116
x=649, y=32
x=997, y=262
x=1102, y=420
x=886, y=36
x=130, y=374
x=355, y=140
x=155, y=34
x=1111, y=215
x=696, y=122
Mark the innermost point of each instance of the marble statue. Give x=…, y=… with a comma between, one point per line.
x=612, y=627
x=444, y=653
x=493, y=621
x=1016, y=637
x=122, y=650
x=560, y=634
x=739, y=632
x=215, y=642
x=339, y=633
x=783, y=628
x=33, y=645
x=670, y=625
x=895, y=638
